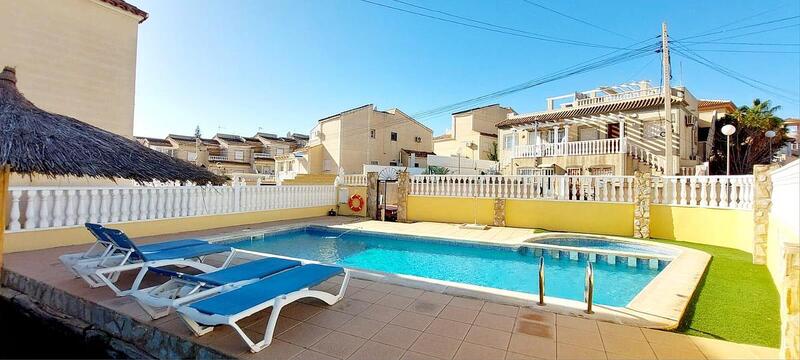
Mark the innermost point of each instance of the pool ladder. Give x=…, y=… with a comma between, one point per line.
x=588, y=290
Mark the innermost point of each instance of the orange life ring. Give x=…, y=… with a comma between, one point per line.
x=351, y=203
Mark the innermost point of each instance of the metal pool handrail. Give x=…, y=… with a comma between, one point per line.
x=541, y=281
x=588, y=292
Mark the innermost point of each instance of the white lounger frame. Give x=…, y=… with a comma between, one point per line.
x=98, y=251
x=201, y=323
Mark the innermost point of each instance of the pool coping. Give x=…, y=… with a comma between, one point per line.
x=659, y=305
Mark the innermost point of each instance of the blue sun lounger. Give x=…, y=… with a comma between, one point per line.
x=103, y=249
x=130, y=257
x=275, y=291
x=183, y=288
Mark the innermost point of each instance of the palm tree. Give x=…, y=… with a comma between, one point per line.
x=749, y=144
x=491, y=154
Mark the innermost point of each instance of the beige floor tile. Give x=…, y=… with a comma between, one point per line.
x=534, y=346
x=623, y=331
x=350, y=306
x=412, y=320
x=515, y=356
x=674, y=351
x=312, y=355
x=382, y=287
x=627, y=346
x=492, y=321
x=359, y=283
x=395, y=301
x=435, y=345
x=338, y=345
x=277, y=350
x=330, y=319
x=472, y=304
x=583, y=338
x=533, y=314
x=458, y=314
x=304, y=334
x=372, y=350
x=380, y=313
x=411, y=355
x=300, y=311
x=488, y=337
x=469, y=351
x=230, y=343
x=426, y=307
x=283, y=325
x=718, y=349
x=407, y=292
x=666, y=337
x=576, y=322
x=436, y=298
x=361, y=327
x=449, y=328
x=534, y=328
x=367, y=295
x=572, y=352
x=396, y=336
x=500, y=309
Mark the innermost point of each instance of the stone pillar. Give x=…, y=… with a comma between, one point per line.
x=403, y=189
x=762, y=202
x=790, y=303
x=372, y=195
x=499, y=212
x=641, y=203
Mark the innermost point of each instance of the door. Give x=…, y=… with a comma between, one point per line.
x=613, y=131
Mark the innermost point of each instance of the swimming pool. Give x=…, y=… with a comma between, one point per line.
x=508, y=268
x=609, y=245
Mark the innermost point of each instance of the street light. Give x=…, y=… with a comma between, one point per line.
x=770, y=134
x=728, y=130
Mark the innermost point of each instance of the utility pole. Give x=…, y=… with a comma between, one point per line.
x=667, y=93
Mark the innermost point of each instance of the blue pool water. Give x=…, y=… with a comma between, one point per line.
x=600, y=244
x=491, y=266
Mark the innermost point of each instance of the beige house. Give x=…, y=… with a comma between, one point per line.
x=608, y=130
x=357, y=137
x=709, y=112
x=473, y=133
x=76, y=58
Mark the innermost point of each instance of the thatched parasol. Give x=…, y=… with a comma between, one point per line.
x=37, y=142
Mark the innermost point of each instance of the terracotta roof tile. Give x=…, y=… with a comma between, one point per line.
x=586, y=111
x=127, y=7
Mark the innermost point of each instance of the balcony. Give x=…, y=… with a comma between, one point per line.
x=588, y=147
x=262, y=155
x=628, y=95
x=217, y=158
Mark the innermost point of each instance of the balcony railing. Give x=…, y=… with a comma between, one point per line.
x=262, y=155
x=217, y=158
x=619, y=97
x=588, y=147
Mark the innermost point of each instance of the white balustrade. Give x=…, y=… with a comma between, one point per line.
x=52, y=207
x=353, y=180
x=548, y=187
x=735, y=192
x=570, y=148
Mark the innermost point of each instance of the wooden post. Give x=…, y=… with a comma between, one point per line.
x=4, y=179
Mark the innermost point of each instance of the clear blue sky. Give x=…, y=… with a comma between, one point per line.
x=237, y=66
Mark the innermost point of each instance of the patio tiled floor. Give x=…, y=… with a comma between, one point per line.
x=382, y=321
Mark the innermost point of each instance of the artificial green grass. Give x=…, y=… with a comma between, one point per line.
x=735, y=301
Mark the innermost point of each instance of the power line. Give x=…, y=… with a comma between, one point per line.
x=744, y=18
x=742, y=27
x=576, y=19
x=586, y=66
x=518, y=33
x=712, y=42
x=755, y=32
x=746, y=51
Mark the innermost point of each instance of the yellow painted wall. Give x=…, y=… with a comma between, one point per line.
x=43, y=239
x=350, y=191
x=720, y=227
x=583, y=217
x=450, y=209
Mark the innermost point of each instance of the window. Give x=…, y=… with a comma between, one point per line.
x=238, y=155
x=392, y=163
x=509, y=140
x=328, y=165
x=653, y=129
x=394, y=136
x=418, y=139
x=416, y=164
x=278, y=151
x=602, y=170
x=192, y=156
x=371, y=133
x=373, y=162
x=574, y=171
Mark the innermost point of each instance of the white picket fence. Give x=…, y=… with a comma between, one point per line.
x=733, y=192
x=552, y=187
x=50, y=207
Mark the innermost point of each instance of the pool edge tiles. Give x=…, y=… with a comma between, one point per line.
x=641, y=310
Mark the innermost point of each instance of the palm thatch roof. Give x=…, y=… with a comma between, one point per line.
x=34, y=141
